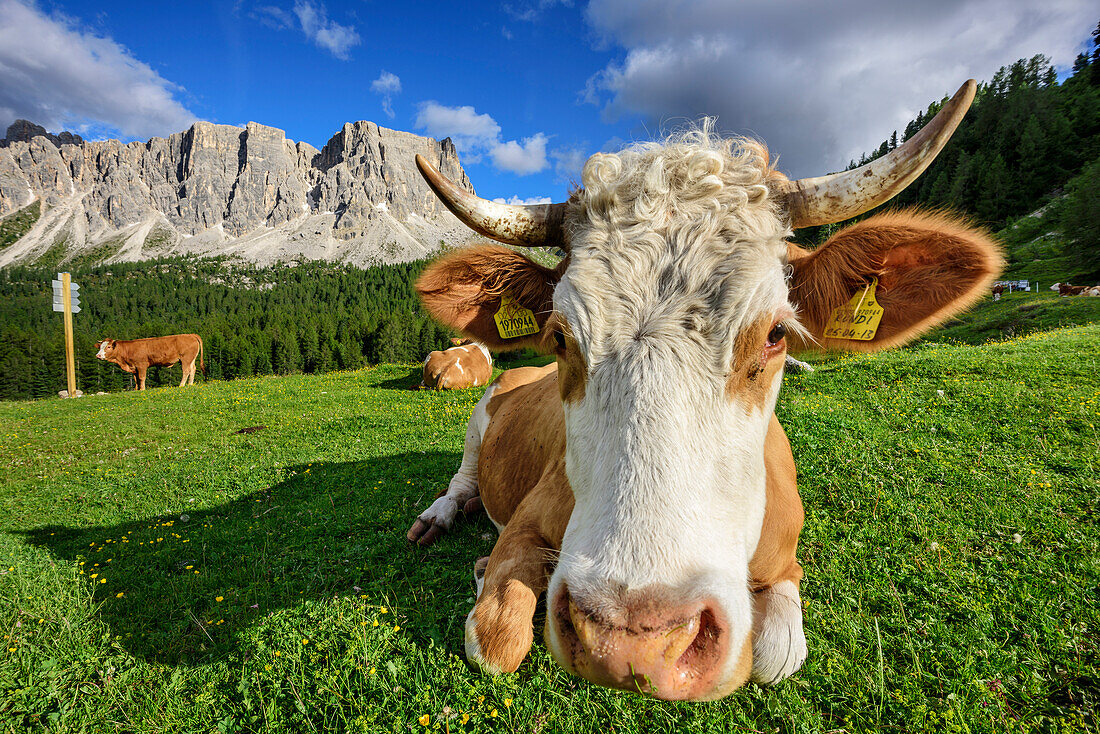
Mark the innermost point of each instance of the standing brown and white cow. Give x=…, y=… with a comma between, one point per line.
x=136, y=356
x=467, y=364
x=642, y=481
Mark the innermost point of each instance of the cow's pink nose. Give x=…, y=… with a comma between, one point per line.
x=647, y=644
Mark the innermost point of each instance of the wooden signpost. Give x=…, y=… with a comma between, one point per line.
x=67, y=300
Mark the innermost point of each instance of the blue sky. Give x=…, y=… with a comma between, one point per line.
x=528, y=88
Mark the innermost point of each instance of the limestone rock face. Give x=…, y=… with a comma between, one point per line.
x=220, y=189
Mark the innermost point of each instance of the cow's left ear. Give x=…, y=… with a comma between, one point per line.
x=929, y=266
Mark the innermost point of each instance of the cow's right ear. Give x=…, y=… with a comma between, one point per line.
x=464, y=290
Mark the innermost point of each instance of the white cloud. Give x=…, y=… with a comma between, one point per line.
x=327, y=34
x=477, y=135
x=469, y=131
x=521, y=159
x=530, y=10
x=524, y=202
x=819, y=82
x=568, y=163
x=57, y=75
x=387, y=85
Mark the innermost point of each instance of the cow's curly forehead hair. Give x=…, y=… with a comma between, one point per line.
x=693, y=176
x=661, y=231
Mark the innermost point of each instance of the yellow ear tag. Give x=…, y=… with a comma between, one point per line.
x=514, y=320
x=858, y=318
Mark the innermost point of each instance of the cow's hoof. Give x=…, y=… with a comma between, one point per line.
x=473, y=506
x=433, y=522
x=779, y=643
x=424, y=533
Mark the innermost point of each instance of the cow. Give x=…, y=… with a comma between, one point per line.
x=136, y=356
x=467, y=364
x=1094, y=291
x=998, y=289
x=1065, y=289
x=641, y=481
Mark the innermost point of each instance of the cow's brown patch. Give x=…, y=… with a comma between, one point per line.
x=774, y=559
x=754, y=364
x=572, y=368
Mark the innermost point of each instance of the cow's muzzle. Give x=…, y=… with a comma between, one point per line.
x=645, y=641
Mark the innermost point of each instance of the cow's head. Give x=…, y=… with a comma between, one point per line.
x=105, y=348
x=670, y=317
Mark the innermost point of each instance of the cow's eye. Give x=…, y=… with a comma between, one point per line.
x=559, y=339
x=777, y=333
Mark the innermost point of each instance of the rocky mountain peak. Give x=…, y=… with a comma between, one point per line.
x=222, y=189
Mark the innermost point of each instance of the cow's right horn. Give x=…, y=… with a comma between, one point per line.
x=537, y=225
x=840, y=196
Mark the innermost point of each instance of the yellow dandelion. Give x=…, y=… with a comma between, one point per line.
x=375, y=623
x=424, y=720
x=218, y=598
x=103, y=581
x=397, y=628
x=372, y=670
x=383, y=609
x=119, y=595
x=305, y=640
x=493, y=713
x=267, y=667
x=93, y=575
x=278, y=654
x=507, y=702
x=465, y=718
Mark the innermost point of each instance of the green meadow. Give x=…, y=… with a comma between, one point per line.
x=162, y=571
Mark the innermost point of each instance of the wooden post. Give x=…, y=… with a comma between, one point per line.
x=67, y=300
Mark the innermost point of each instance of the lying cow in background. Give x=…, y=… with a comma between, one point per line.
x=1065, y=289
x=136, y=356
x=1094, y=291
x=642, y=481
x=467, y=364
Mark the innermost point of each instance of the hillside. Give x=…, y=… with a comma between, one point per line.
x=246, y=192
x=164, y=572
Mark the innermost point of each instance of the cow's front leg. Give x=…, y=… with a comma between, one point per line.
x=499, y=629
x=779, y=642
x=141, y=377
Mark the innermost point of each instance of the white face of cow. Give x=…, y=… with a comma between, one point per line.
x=104, y=348
x=667, y=305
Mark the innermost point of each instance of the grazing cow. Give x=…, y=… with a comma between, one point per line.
x=997, y=291
x=642, y=480
x=467, y=364
x=136, y=356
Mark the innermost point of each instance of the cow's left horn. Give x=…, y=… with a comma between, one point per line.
x=537, y=225
x=840, y=196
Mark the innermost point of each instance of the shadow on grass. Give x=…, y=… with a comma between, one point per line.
x=193, y=582
x=411, y=381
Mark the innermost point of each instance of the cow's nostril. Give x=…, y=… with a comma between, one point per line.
x=704, y=648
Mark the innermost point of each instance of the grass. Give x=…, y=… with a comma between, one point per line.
x=18, y=223
x=83, y=259
x=1017, y=314
x=163, y=573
